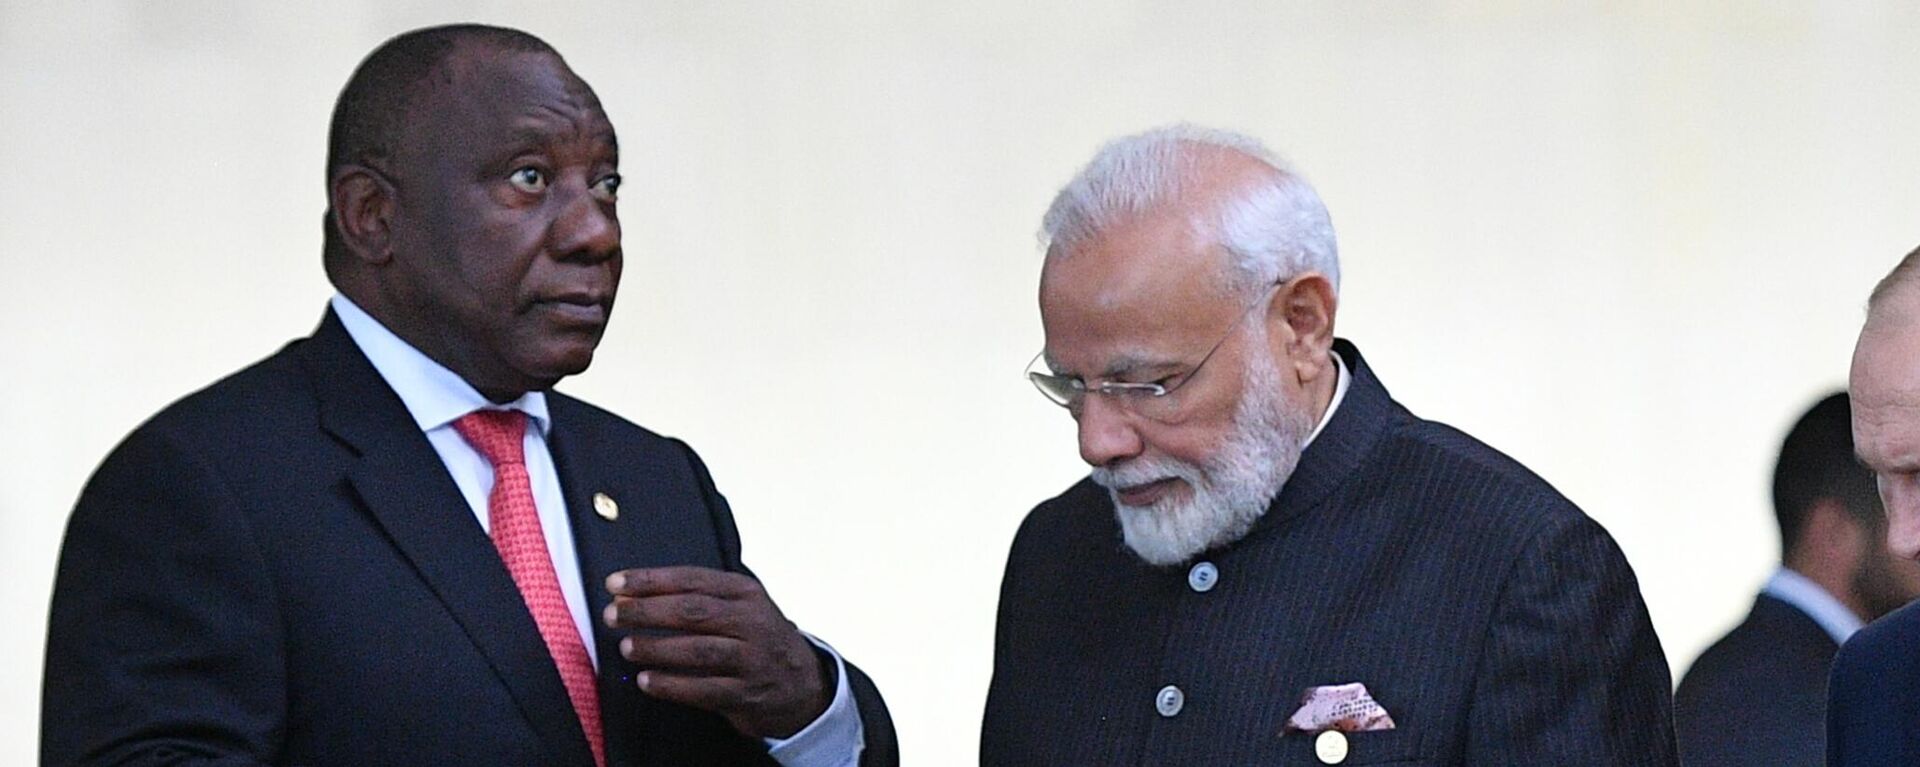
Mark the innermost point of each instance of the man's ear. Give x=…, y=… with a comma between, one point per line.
x=1832, y=535
x=1300, y=320
x=362, y=201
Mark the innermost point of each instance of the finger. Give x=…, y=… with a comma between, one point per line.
x=708, y=693
x=693, y=655
x=697, y=613
x=650, y=581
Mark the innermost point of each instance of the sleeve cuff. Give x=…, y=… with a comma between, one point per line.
x=833, y=740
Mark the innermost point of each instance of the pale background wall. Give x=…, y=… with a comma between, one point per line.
x=1623, y=241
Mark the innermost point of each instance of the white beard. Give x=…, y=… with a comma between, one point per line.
x=1231, y=489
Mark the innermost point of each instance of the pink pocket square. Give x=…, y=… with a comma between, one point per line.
x=1343, y=707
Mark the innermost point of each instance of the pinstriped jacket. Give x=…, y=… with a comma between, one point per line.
x=1495, y=621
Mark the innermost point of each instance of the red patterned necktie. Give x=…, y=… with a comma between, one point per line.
x=515, y=526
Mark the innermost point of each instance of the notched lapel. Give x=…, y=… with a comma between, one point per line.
x=662, y=521
x=407, y=490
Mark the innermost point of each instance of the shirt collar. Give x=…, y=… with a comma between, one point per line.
x=1339, y=393
x=434, y=395
x=1801, y=592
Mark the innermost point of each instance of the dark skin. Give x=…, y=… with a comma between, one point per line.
x=721, y=658
x=489, y=241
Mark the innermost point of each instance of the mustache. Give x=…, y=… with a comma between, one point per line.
x=1141, y=471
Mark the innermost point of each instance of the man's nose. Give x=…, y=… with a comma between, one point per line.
x=1903, y=520
x=587, y=229
x=1107, y=433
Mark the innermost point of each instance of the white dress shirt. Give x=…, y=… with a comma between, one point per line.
x=1339, y=393
x=1801, y=592
x=436, y=397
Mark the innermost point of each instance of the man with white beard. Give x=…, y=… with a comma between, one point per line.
x=1273, y=562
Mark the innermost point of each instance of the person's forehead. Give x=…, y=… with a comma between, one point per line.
x=1886, y=361
x=1887, y=438
x=1884, y=386
x=515, y=92
x=1133, y=296
x=1162, y=256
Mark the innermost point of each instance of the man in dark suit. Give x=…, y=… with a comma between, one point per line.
x=391, y=542
x=1263, y=521
x=1759, y=695
x=1873, y=696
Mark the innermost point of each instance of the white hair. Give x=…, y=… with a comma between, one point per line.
x=1230, y=489
x=1271, y=230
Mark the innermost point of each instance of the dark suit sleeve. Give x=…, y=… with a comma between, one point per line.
x=1572, y=673
x=164, y=645
x=882, y=745
x=1871, y=695
x=1844, y=725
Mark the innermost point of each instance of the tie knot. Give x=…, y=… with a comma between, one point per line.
x=497, y=434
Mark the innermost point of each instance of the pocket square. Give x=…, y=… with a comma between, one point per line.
x=1343, y=707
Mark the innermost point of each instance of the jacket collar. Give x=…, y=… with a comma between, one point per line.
x=1366, y=414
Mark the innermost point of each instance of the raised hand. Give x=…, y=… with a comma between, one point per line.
x=715, y=641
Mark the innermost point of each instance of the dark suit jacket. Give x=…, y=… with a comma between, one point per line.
x=279, y=569
x=1495, y=622
x=1873, y=698
x=1759, y=695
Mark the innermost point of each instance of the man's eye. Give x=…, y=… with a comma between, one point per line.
x=529, y=180
x=1138, y=389
x=608, y=188
x=1164, y=382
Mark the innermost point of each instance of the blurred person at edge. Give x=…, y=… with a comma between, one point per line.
x=1264, y=522
x=1873, y=695
x=1759, y=694
x=392, y=542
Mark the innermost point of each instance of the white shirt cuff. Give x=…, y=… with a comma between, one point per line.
x=833, y=740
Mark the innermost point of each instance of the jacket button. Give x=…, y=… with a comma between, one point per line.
x=1169, y=701
x=1202, y=577
x=1331, y=747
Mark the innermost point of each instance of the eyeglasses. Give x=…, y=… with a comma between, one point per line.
x=1149, y=400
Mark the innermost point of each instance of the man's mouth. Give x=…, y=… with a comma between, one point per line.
x=576, y=308
x=1146, y=493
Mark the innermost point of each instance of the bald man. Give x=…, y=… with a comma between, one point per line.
x=1873, y=707
x=1759, y=694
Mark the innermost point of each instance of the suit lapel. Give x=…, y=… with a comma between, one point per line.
x=662, y=520
x=648, y=531
x=592, y=462
x=406, y=489
x=602, y=545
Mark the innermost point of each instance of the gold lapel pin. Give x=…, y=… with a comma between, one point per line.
x=605, y=507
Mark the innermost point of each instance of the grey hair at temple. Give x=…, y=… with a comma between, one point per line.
x=1271, y=230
